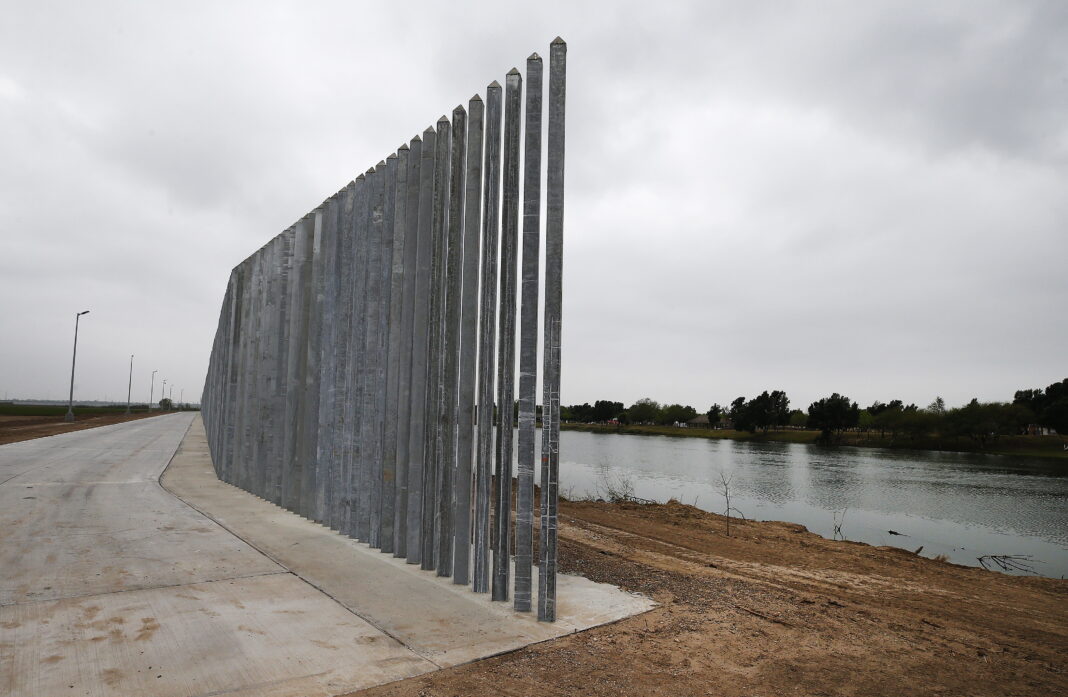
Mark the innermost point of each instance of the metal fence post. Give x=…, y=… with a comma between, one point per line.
x=487, y=336
x=513, y=96
x=528, y=338
x=404, y=398
x=468, y=350
x=554, y=255
x=420, y=336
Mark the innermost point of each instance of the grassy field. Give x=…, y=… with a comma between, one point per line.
x=1030, y=446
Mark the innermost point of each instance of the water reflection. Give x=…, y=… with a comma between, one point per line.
x=962, y=505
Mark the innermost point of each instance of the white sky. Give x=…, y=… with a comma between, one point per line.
x=867, y=198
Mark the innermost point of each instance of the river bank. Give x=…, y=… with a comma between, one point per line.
x=772, y=609
x=1028, y=446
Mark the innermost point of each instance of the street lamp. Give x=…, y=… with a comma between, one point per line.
x=152, y=389
x=162, y=391
x=129, y=386
x=181, y=399
x=74, y=358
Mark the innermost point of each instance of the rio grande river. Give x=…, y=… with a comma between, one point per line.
x=962, y=505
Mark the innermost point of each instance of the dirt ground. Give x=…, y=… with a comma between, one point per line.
x=16, y=428
x=775, y=610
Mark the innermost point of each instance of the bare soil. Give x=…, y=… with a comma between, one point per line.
x=775, y=610
x=17, y=428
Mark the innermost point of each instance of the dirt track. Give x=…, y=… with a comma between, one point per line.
x=775, y=610
x=16, y=428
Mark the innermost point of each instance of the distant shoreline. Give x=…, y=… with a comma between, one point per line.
x=1050, y=447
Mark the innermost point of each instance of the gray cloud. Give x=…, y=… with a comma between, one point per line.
x=862, y=197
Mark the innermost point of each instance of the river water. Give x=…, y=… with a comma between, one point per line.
x=962, y=505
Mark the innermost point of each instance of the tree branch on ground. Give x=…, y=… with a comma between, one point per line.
x=1009, y=562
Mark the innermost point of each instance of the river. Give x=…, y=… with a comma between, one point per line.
x=962, y=505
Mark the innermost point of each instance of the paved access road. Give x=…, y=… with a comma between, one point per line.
x=110, y=585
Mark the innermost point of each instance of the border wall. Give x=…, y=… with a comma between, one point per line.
x=364, y=369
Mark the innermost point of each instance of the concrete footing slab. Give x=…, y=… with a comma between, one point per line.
x=443, y=622
x=113, y=585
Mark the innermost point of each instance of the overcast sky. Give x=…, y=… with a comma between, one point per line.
x=869, y=198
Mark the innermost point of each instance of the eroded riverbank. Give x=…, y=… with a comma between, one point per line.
x=960, y=505
x=775, y=610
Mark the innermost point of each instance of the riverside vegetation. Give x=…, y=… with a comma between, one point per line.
x=990, y=427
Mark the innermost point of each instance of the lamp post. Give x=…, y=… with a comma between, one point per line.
x=181, y=398
x=129, y=386
x=162, y=391
x=73, y=360
x=152, y=389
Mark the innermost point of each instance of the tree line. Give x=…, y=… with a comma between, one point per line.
x=832, y=415
x=644, y=411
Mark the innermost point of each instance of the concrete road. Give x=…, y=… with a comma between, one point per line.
x=109, y=585
x=113, y=584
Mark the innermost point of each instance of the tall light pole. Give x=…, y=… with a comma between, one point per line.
x=129, y=386
x=73, y=360
x=181, y=398
x=162, y=391
x=152, y=389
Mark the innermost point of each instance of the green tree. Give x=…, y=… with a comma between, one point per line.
x=760, y=410
x=917, y=423
x=778, y=409
x=1032, y=399
x=877, y=408
x=736, y=409
x=677, y=413
x=1050, y=406
x=743, y=416
x=985, y=422
x=888, y=419
x=605, y=410
x=798, y=418
x=644, y=411
x=714, y=413
x=166, y=404
x=766, y=410
x=832, y=415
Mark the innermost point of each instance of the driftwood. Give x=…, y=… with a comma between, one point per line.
x=1009, y=562
x=838, y=522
